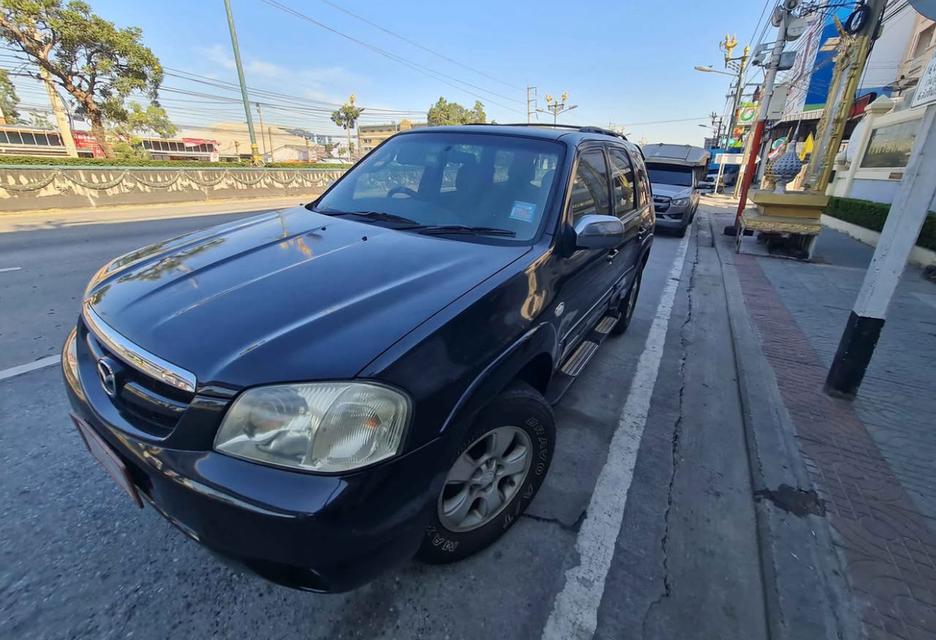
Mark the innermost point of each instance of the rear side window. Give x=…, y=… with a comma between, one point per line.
x=590, y=189
x=622, y=178
x=643, y=183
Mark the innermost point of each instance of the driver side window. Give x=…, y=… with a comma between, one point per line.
x=590, y=188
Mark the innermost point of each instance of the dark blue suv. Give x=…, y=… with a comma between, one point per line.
x=323, y=392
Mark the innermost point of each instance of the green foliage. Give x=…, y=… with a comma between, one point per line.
x=871, y=215
x=136, y=162
x=444, y=112
x=347, y=115
x=8, y=98
x=127, y=144
x=97, y=63
x=38, y=121
x=139, y=120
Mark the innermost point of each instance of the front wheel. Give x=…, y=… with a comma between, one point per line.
x=497, y=472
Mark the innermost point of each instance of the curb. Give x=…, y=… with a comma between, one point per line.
x=806, y=592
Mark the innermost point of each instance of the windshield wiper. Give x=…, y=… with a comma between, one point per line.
x=444, y=229
x=377, y=216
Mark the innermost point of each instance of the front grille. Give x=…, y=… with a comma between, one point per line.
x=661, y=203
x=150, y=405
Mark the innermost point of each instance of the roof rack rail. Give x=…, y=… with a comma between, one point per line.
x=572, y=127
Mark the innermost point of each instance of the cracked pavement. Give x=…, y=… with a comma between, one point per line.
x=77, y=560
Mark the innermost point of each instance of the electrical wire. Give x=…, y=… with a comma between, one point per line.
x=416, y=44
x=436, y=75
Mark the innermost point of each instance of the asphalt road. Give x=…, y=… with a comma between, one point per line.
x=673, y=514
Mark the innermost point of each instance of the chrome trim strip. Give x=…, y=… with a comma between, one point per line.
x=135, y=356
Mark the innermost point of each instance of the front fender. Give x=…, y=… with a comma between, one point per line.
x=541, y=341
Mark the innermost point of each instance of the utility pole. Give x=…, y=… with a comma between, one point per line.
x=531, y=104
x=262, y=139
x=716, y=127
x=857, y=38
x=758, y=133
x=61, y=117
x=901, y=229
x=270, y=136
x=254, y=151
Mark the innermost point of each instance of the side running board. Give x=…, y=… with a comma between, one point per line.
x=577, y=361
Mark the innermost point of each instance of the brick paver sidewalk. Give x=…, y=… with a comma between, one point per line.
x=873, y=461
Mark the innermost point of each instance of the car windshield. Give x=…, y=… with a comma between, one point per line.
x=668, y=174
x=495, y=185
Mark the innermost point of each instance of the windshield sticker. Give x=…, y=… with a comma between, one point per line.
x=523, y=211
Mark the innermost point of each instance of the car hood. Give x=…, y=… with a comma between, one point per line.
x=285, y=296
x=670, y=190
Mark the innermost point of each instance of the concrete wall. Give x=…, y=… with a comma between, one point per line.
x=36, y=188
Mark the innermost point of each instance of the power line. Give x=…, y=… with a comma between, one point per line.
x=436, y=75
x=305, y=103
x=223, y=84
x=416, y=44
x=637, y=124
x=756, y=26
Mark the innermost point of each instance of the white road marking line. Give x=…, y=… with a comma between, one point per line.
x=29, y=366
x=5, y=269
x=575, y=610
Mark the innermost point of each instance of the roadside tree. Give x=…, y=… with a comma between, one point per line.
x=346, y=117
x=98, y=64
x=9, y=100
x=444, y=112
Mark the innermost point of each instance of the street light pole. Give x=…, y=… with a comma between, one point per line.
x=738, y=66
x=555, y=107
x=254, y=150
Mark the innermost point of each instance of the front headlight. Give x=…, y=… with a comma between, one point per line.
x=680, y=202
x=70, y=362
x=321, y=426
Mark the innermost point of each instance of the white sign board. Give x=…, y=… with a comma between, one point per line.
x=728, y=158
x=926, y=89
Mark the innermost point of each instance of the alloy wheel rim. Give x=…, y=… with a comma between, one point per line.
x=485, y=478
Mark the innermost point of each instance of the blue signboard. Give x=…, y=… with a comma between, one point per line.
x=824, y=65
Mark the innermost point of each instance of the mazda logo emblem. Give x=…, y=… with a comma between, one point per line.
x=108, y=377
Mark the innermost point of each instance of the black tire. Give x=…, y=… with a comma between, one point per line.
x=628, y=305
x=519, y=406
x=681, y=231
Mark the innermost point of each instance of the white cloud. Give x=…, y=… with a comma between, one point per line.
x=316, y=83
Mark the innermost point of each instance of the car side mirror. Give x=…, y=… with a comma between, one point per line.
x=593, y=231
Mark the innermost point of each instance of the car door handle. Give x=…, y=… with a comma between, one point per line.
x=613, y=253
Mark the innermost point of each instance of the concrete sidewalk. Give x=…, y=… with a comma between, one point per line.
x=872, y=461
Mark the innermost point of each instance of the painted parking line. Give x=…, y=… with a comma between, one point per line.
x=6, y=269
x=575, y=609
x=29, y=366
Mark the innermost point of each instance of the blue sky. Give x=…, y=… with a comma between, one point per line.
x=622, y=61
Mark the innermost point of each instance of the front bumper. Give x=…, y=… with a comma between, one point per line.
x=673, y=217
x=317, y=532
